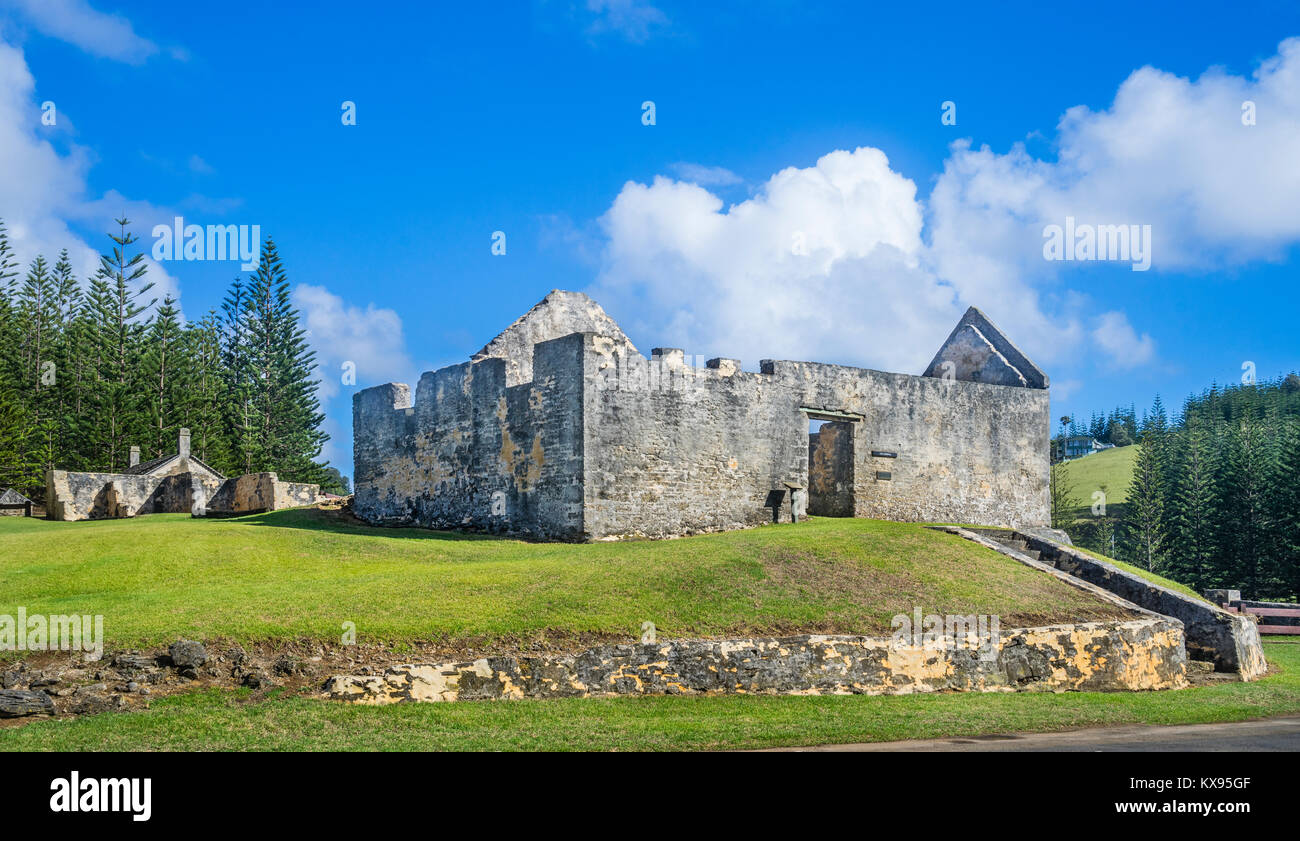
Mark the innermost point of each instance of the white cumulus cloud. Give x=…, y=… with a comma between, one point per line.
x=822, y=263
x=1170, y=152
x=825, y=262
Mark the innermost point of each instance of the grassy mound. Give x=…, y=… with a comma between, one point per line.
x=301, y=574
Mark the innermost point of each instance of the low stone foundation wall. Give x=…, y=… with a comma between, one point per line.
x=1139, y=654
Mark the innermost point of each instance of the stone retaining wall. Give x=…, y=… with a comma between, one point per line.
x=1145, y=653
x=1231, y=641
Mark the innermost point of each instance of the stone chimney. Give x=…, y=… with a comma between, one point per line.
x=135, y=456
x=184, y=444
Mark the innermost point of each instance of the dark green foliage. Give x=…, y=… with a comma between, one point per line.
x=1286, y=508
x=334, y=482
x=1215, y=499
x=284, y=407
x=1145, y=514
x=1193, y=508
x=1061, y=495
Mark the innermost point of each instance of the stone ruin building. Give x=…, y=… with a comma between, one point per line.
x=559, y=428
x=176, y=484
x=14, y=504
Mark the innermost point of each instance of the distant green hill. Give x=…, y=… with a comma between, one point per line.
x=1109, y=470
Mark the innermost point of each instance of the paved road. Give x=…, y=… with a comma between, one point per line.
x=1270, y=734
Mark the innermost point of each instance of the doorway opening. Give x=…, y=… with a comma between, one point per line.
x=830, y=462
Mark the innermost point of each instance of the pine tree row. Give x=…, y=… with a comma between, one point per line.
x=1215, y=496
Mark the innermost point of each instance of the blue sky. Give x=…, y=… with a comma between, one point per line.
x=526, y=118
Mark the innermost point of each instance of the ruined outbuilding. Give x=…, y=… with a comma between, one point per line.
x=559, y=428
x=179, y=483
x=14, y=504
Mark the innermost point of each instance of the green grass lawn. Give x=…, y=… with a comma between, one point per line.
x=300, y=574
x=227, y=720
x=1110, y=469
x=295, y=575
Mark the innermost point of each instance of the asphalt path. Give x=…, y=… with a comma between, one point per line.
x=1269, y=734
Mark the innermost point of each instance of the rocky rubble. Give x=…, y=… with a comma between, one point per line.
x=64, y=683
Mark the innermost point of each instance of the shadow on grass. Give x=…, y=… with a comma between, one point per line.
x=314, y=519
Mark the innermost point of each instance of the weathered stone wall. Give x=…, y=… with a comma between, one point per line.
x=383, y=454
x=673, y=449
x=96, y=496
x=559, y=427
x=473, y=452
x=295, y=494
x=247, y=494
x=254, y=493
x=1140, y=654
x=953, y=451
x=605, y=443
